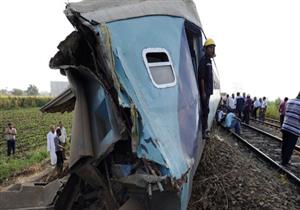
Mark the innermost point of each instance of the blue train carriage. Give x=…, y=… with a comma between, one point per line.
x=136, y=134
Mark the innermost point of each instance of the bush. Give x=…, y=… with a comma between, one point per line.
x=272, y=109
x=16, y=102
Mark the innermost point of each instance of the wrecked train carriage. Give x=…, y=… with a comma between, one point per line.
x=136, y=131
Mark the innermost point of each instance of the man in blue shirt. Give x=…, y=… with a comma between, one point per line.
x=228, y=120
x=290, y=129
x=206, y=82
x=231, y=121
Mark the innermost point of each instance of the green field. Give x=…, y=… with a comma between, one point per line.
x=32, y=127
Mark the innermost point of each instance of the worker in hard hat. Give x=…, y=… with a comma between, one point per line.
x=205, y=79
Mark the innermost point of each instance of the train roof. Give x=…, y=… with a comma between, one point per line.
x=64, y=102
x=113, y=10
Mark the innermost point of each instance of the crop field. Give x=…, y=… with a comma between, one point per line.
x=16, y=102
x=32, y=127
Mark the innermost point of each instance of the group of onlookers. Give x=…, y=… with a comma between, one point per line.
x=244, y=106
x=56, y=139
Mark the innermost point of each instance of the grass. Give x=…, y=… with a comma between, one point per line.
x=12, y=165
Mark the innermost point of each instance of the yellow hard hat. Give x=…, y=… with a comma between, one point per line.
x=209, y=42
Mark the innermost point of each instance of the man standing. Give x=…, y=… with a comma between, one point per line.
x=290, y=129
x=10, y=136
x=240, y=103
x=247, y=109
x=51, y=145
x=281, y=110
x=256, y=106
x=59, y=151
x=232, y=103
x=62, y=137
x=206, y=82
x=263, y=108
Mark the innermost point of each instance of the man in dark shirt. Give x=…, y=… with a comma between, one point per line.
x=58, y=150
x=206, y=82
x=240, y=103
x=247, y=109
x=281, y=110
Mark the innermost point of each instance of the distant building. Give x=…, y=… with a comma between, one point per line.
x=57, y=87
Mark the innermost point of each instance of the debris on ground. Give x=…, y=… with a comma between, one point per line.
x=230, y=177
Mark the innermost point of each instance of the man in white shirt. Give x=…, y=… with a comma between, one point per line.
x=63, y=137
x=51, y=145
x=256, y=106
x=232, y=103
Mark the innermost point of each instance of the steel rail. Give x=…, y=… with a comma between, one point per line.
x=272, y=120
x=268, y=134
x=267, y=123
x=273, y=163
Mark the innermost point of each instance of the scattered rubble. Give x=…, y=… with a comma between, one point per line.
x=230, y=177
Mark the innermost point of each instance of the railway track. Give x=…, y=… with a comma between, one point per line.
x=268, y=147
x=270, y=123
x=272, y=128
x=270, y=120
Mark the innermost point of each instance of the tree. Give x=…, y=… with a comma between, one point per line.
x=32, y=90
x=4, y=92
x=17, y=92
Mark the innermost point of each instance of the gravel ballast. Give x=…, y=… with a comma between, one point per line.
x=231, y=177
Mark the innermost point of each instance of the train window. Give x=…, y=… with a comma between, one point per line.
x=159, y=67
x=157, y=57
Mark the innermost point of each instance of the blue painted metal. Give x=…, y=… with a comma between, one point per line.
x=169, y=115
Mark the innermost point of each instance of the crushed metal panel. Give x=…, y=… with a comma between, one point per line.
x=89, y=78
x=88, y=136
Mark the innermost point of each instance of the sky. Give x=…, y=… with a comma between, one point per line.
x=257, y=43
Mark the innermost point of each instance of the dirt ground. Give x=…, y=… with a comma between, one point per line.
x=229, y=177
x=31, y=174
x=42, y=173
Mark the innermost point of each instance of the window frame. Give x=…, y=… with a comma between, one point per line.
x=155, y=64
